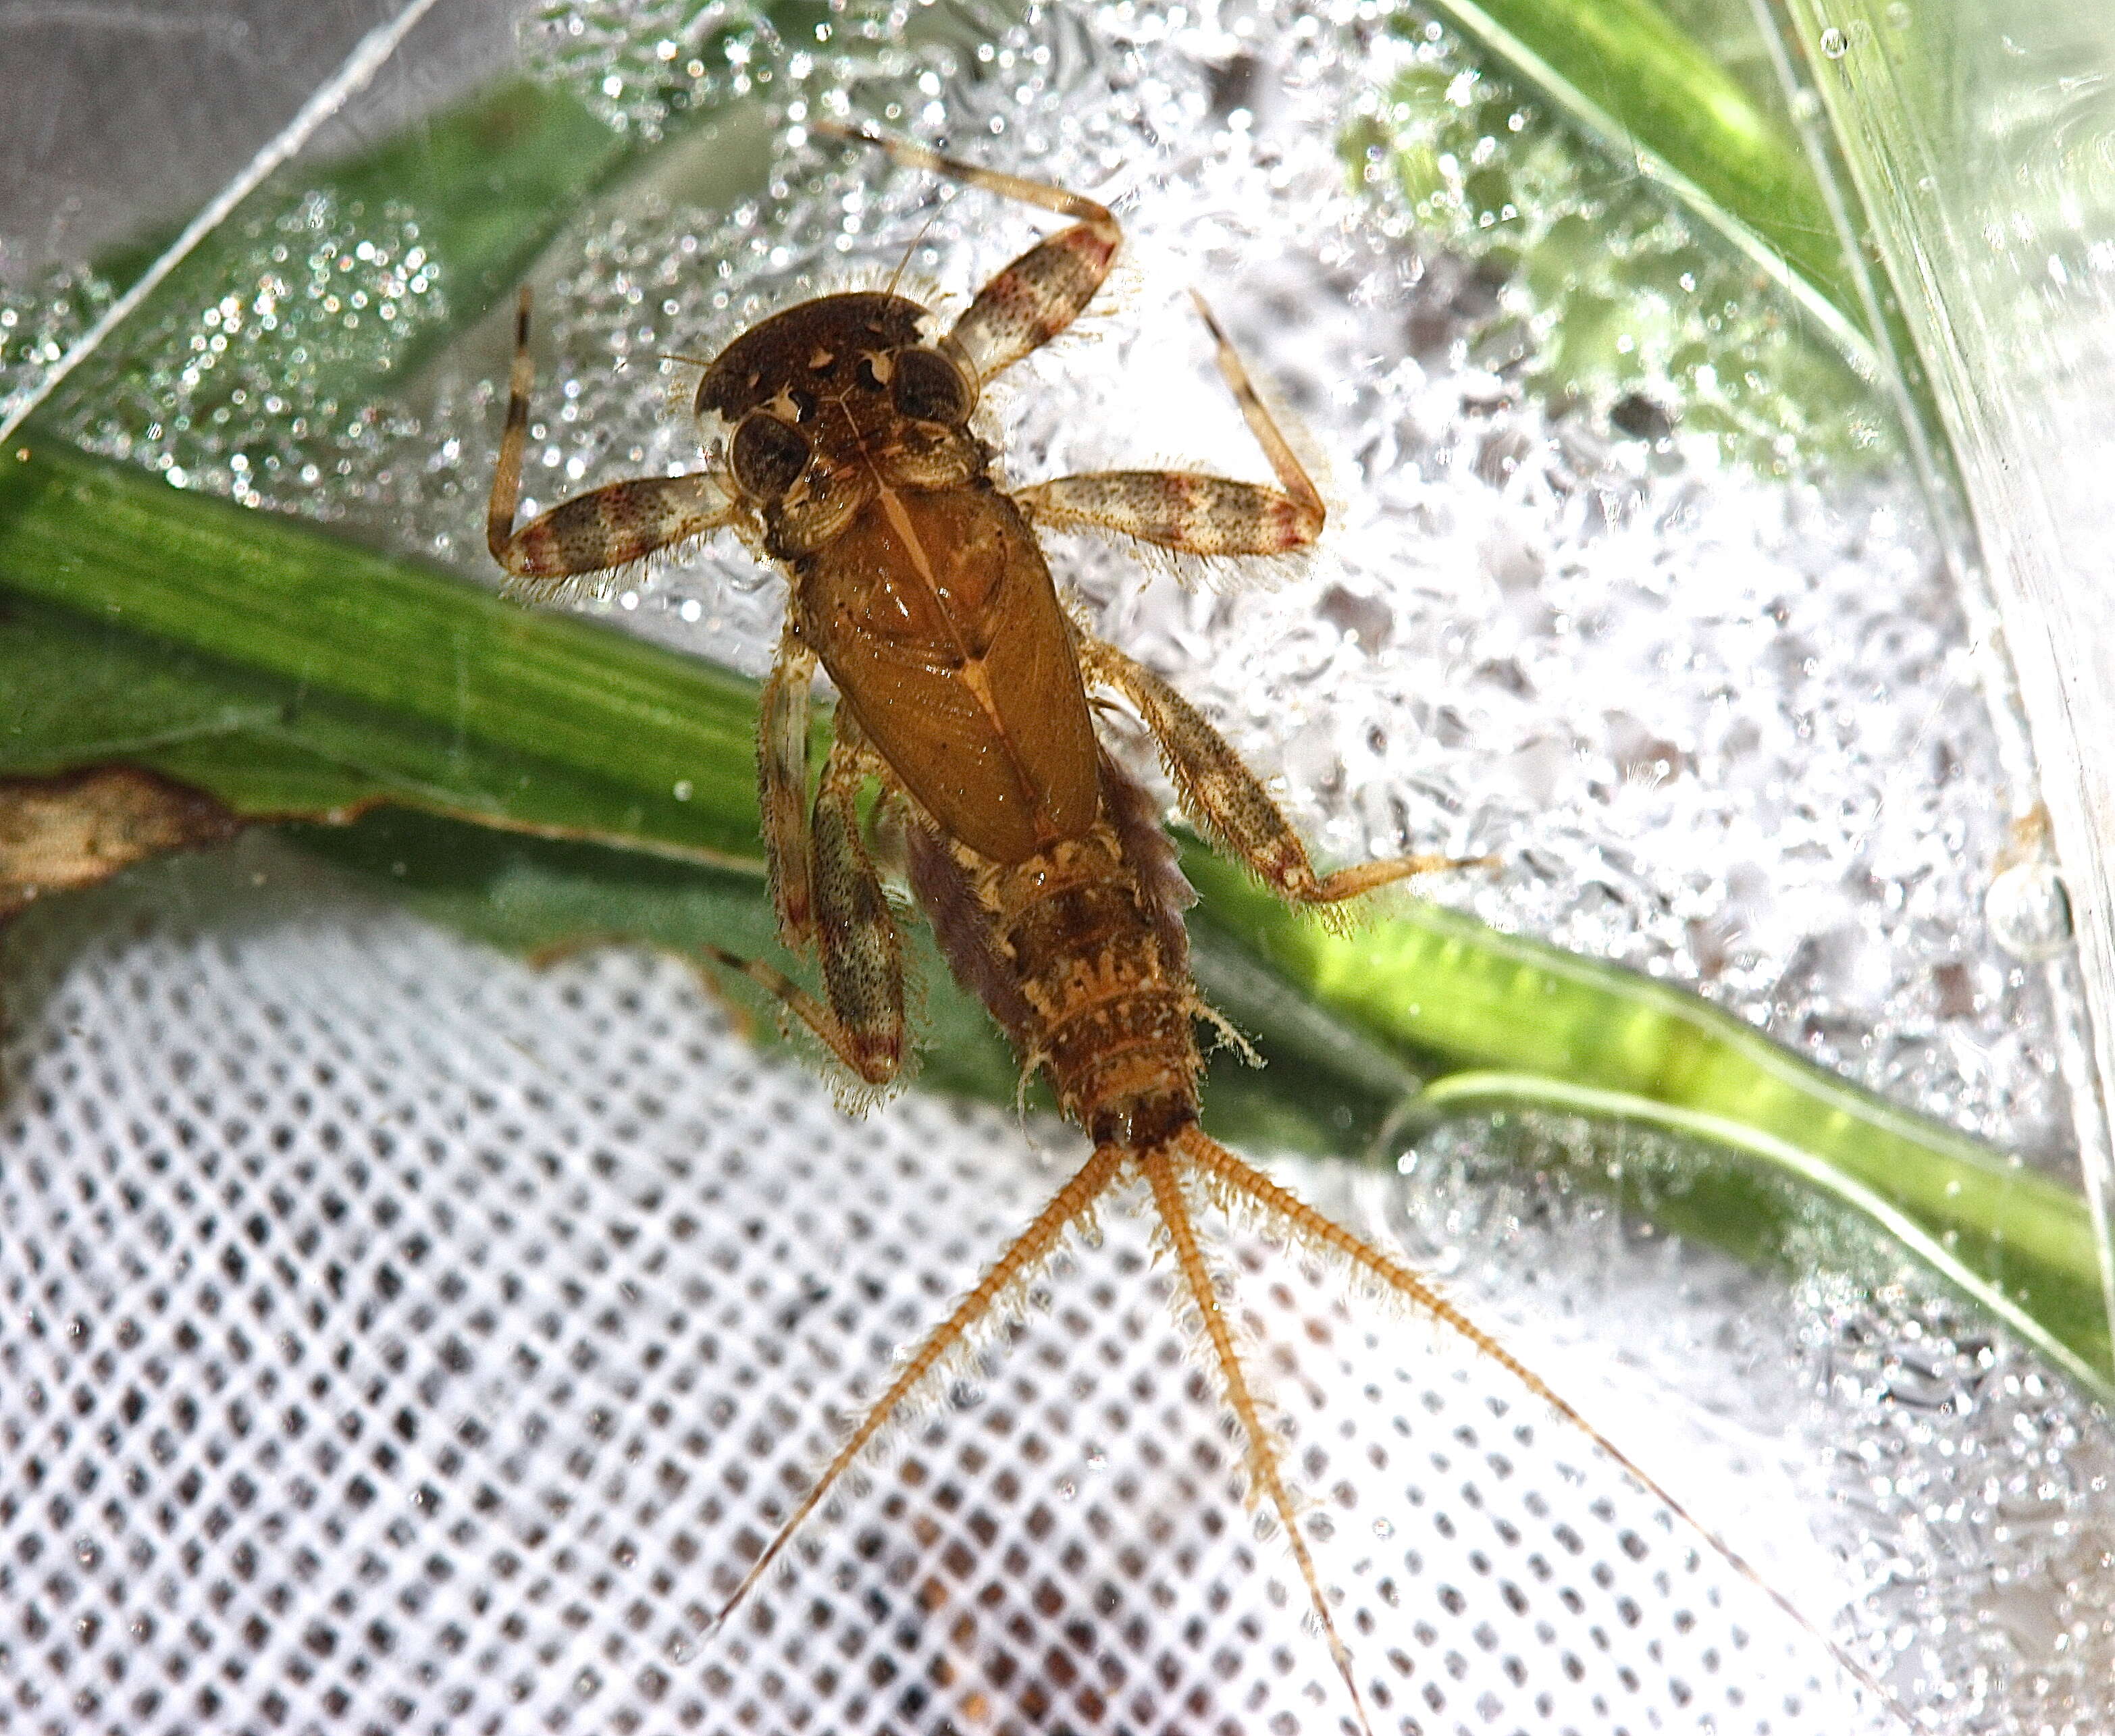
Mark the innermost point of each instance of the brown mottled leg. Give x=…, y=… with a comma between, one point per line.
x=1024, y=1257
x=1229, y=801
x=1043, y=291
x=856, y=930
x=861, y=1020
x=595, y=532
x=1180, y=509
x=781, y=767
x=1265, y=1480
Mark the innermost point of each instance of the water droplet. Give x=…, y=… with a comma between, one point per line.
x=1834, y=44
x=2029, y=911
x=639, y=78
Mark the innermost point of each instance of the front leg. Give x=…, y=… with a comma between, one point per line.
x=1227, y=800
x=593, y=533
x=1043, y=291
x=1192, y=514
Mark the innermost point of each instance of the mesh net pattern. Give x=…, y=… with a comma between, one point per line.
x=397, y=1337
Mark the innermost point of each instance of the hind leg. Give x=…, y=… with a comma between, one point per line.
x=861, y=1019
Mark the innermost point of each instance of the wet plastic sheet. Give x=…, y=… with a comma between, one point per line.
x=396, y=1335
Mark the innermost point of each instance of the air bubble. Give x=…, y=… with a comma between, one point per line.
x=625, y=58
x=2029, y=909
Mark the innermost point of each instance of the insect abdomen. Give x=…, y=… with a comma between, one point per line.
x=1077, y=941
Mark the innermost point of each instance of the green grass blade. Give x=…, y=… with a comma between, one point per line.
x=1435, y=984
x=252, y=628
x=1635, y=81
x=2068, y=1329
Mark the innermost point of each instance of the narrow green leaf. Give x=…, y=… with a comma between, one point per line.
x=1433, y=982
x=443, y=696
x=2069, y=1327
x=1635, y=79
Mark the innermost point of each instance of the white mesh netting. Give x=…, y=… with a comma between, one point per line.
x=402, y=1338
x=397, y=1338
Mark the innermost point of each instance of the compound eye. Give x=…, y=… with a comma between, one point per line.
x=767, y=456
x=926, y=386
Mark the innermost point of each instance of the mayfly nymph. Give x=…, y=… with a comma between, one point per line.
x=918, y=582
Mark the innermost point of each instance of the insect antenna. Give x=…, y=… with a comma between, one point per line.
x=917, y=240
x=1240, y=1184
x=1265, y=1477
x=1022, y=1259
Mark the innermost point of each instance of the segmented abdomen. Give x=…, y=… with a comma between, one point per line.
x=1079, y=953
x=1115, y=1022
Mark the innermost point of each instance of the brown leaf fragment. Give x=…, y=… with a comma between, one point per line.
x=79, y=827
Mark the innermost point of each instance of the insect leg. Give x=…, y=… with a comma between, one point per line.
x=1265, y=1480
x=1041, y=292
x=781, y=766
x=594, y=532
x=1228, y=800
x=1180, y=509
x=856, y=927
x=1023, y=1258
x=861, y=1019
